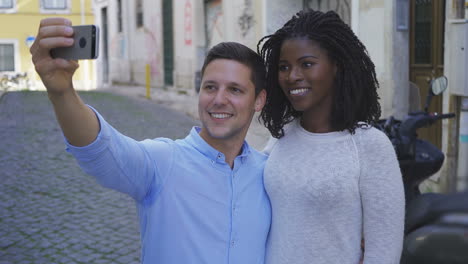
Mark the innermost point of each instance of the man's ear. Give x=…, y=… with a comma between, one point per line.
x=260, y=100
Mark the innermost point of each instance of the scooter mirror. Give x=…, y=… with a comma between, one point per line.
x=439, y=85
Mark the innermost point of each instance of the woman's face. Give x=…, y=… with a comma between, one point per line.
x=306, y=75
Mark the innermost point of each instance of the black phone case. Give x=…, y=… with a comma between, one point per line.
x=85, y=46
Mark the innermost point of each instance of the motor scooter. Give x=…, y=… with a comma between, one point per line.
x=436, y=225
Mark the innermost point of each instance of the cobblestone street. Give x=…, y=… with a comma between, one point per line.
x=51, y=211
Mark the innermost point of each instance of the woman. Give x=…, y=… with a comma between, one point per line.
x=333, y=180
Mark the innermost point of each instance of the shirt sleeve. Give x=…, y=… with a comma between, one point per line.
x=382, y=196
x=124, y=164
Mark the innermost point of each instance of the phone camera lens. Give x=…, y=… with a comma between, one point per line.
x=82, y=42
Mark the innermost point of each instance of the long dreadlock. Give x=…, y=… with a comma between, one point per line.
x=355, y=97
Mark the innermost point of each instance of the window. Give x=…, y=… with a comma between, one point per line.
x=54, y=4
x=139, y=13
x=6, y=4
x=7, y=57
x=402, y=15
x=119, y=15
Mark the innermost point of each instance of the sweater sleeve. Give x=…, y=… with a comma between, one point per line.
x=382, y=196
x=122, y=163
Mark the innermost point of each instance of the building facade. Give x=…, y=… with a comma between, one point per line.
x=408, y=40
x=172, y=37
x=20, y=20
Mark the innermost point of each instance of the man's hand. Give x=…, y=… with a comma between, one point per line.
x=56, y=74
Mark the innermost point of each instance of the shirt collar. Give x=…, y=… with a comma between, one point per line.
x=201, y=145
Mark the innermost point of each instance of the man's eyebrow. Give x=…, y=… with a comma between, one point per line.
x=235, y=84
x=229, y=83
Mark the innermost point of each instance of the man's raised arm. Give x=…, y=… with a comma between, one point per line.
x=78, y=122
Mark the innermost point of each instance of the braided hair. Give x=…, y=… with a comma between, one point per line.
x=355, y=101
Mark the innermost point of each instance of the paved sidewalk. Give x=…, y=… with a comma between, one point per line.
x=50, y=210
x=186, y=102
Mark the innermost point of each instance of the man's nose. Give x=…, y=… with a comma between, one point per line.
x=220, y=96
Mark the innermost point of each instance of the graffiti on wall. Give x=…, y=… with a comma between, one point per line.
x=246, y=20
x=214, y=22
x=188, y=23
x=342, y=7
x=153, y=49
x=118, y=46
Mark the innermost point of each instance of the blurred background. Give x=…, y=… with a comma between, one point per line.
x=162, y=43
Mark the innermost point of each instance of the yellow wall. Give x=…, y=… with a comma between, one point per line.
x=24, y=22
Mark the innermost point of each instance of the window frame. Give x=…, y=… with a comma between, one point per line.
x=139, y=14
x=12, y=9
x=66, y=10
x=16, y=55
x=119, y=16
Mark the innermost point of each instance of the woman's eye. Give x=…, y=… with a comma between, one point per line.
x=283, y=67
x=307, y=64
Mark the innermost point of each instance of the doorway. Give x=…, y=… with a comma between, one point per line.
x=168, y=40
x=427, y=19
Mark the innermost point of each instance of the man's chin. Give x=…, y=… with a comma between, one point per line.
x=219, y=133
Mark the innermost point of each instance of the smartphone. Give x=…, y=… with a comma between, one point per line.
x=85, y=46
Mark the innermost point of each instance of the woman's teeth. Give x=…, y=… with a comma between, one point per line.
x=298, y=91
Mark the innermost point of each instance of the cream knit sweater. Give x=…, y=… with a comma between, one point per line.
x=326, y=191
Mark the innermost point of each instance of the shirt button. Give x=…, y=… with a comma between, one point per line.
x=232, y=243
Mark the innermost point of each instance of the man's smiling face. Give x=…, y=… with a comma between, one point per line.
x=227, y=100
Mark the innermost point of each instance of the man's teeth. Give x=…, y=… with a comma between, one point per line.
x=220, y=115
x=298, y=91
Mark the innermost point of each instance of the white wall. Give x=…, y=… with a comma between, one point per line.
x=237, y=20
x=145, y=44
x=374, y=23
x=184, y=45
x=133, y=48
x=278, y=12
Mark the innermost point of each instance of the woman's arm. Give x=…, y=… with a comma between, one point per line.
x=382, y=197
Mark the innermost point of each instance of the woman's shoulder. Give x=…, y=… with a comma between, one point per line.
x=369, y=132
x=374, y=147
x=370, y=137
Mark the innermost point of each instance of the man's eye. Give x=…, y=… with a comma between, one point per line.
x=209, y=87
x=236, y=90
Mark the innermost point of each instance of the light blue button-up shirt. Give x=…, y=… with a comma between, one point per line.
x=193, y=208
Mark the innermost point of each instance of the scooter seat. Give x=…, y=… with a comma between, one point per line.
x=429, y=207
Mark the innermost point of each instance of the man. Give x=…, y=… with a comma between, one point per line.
x=199, y=199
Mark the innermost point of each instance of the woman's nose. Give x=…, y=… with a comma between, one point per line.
x=295, y=75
